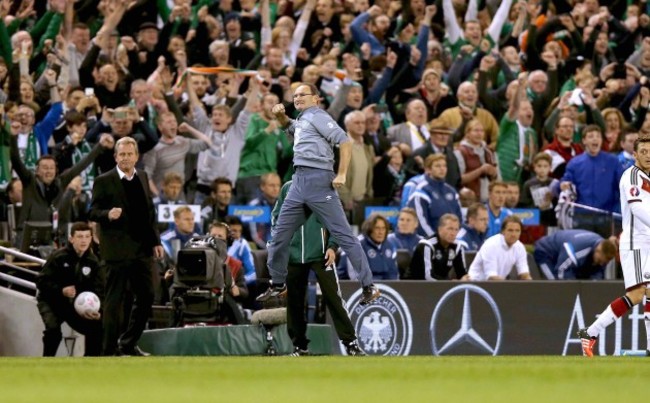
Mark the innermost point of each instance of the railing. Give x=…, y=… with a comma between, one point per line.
x=21, y=255
x=25, y=257
x=18, y=281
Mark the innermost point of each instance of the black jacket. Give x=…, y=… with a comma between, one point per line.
x=64, y=268
x=431, y=256
x=453, y=171
x=117, y=239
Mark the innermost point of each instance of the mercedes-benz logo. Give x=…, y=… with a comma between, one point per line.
x=466, y=333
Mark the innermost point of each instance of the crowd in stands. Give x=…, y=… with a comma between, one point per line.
x=458, y=111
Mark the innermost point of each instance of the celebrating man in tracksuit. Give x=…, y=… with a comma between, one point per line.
x=312, y=249
x=314, y=188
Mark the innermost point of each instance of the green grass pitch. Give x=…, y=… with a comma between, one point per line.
x=322, y=379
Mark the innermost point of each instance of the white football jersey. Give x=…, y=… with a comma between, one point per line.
x=634, y=187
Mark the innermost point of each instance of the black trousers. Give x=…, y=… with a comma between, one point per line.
x=54, y=315
x=297, y=280
x=124, y=276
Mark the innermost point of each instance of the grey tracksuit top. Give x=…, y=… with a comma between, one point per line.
x=315, y=134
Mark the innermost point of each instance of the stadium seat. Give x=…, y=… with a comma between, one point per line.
x=259, y=260
x=535, y=272
x=403, y=261
x=469, y=258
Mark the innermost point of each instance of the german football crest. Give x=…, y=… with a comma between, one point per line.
x=383, y=327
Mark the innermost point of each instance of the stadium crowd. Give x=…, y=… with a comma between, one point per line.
x=457, y=110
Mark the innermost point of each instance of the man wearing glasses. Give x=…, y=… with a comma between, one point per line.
x=314, y=189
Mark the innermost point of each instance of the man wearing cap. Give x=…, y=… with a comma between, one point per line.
x=440, y=142
x=148, y=49
x=242, y=44
x=431, y=93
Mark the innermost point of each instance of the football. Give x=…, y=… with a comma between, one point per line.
x=86, y=302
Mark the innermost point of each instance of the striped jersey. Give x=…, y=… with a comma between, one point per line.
x=634, y=187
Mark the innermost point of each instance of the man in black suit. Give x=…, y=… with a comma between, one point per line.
x=123, y=207
x=441, y=141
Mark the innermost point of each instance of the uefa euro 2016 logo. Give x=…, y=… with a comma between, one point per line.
x=385, y=326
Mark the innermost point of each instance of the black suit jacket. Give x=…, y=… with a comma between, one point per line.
x=116, y=241
x=453, y=171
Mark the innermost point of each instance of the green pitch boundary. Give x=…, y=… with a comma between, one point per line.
x=231, y=340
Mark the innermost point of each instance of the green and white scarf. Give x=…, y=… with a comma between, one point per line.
x=31, y=153
x=87, y=175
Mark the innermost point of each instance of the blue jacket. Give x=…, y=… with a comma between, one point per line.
x=382, y=259
x=360, y=34
x=596, y=180
x=404, y=241
x=242, y=251
x=43, y=130
x=431, y=199
x=409, y=188
x=470, y=239
x=625, y=161
x=568, y=254
x=494, y=222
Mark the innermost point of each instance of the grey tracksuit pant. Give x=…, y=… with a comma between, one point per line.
x=312, y=190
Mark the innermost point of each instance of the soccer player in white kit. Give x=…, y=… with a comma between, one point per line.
x=634, y=247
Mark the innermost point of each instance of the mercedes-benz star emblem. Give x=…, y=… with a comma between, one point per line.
x=466, y=333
